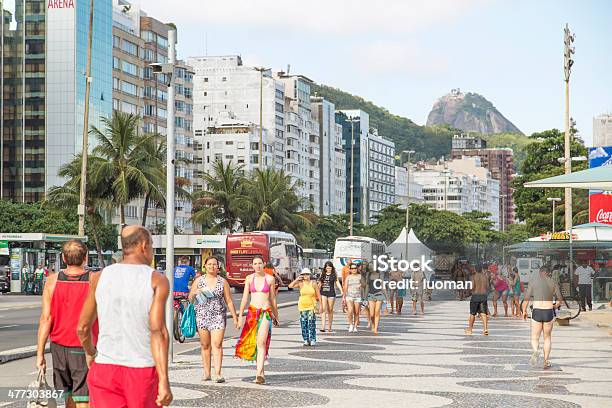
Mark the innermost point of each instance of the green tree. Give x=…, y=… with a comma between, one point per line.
x=541, y=162
x=67, y=196
x=273, y=205
x=325, y=230
x=219, y=207
x=388, y=224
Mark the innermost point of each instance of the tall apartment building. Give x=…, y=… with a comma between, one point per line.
x=138, y=41
x=464, y=141
x=602, y=130
x=373, y=166
x=332, y=169
x=42, y=89
x=460, y=186
x=407, y=192
x=381, y=174
x=226, y=122
x=500, y=161
x=226, y=93
x=302, y=138
x=355, y=136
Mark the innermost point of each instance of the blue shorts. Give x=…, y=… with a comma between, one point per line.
x=500, y=293
x=401, y=292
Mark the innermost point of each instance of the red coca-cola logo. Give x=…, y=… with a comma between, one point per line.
x=601, y=208
x=604, y=216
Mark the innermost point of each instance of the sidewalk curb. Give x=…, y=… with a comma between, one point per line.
x=24, y=352
x=30, y=351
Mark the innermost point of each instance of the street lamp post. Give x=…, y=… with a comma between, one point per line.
x=408, y=152
x=554, y=200
x=261, y=72
x=85, y=151
x=168, y=70
x=446, y=174
x=567, y=68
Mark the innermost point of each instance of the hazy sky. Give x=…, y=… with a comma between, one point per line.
x=403, y=54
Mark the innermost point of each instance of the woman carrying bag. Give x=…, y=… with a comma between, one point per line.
x=212, y=300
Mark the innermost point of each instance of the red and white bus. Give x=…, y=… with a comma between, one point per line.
x=279, y=248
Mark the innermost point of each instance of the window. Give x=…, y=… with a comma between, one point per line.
x=188, y=93
x=129, y=108
x=240, y=159
x=129, y=68
x=254, y=159
x=218, y=156
x=149, y=55
x=205, y=79
x=241, y=145
x=149, y=110
x=116, y=63
x=129, y=88
x=224, y=79
x=254, y=145
x=115, y=104
x=229, y=142
x=116, y=83
x=129, y=47
x=147, y=36
x=229, y=157
x=116, y=41
x=148, y=73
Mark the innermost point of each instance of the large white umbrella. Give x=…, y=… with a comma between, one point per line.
x=598, y=178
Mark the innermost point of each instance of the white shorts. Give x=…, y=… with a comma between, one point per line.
x=353, y=299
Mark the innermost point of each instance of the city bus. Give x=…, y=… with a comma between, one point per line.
x=356, y=249
x=279, y=248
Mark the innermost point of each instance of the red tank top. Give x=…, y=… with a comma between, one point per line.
x=66, y=303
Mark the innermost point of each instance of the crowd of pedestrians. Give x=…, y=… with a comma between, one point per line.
x=109, y=341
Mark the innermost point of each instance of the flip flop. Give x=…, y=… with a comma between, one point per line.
x=485, y=333
x=547, y=364
x=260, y=379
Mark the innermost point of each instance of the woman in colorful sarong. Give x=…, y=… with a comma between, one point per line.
x=254, y=340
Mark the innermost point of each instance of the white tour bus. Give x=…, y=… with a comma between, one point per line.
x=356, y=248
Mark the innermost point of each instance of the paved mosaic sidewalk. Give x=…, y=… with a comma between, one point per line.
x=415, y=361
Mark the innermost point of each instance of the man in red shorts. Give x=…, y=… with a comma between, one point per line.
x=131, y=359
x=63, y=298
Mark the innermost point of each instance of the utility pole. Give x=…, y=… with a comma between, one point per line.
x=261, y=71
x=352, y=175
x=567, y=68
x=83, y=189
x=408, y=152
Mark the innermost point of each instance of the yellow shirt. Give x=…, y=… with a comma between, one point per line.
x=308, y=297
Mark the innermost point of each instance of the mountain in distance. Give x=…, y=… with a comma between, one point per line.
x=429, y=142
x=469, y=112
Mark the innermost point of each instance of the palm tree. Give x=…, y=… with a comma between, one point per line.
x=68, y=195
x=274, y=205
x=220, y=205
x=121, y=148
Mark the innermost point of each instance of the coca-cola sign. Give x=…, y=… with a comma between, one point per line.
x=600, y=208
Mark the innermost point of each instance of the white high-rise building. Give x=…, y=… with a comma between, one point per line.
x=227, y=91
x=381, y=173
x=332, y=171
x=602, y=130
x=302, y=150
x=460, y=186
x=405, y=191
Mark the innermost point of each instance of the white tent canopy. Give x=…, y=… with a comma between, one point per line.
x=416, y=248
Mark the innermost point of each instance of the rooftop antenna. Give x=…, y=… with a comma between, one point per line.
x=288, y=69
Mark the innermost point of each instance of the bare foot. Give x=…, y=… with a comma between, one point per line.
x=468, y=331
x=485, y=333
